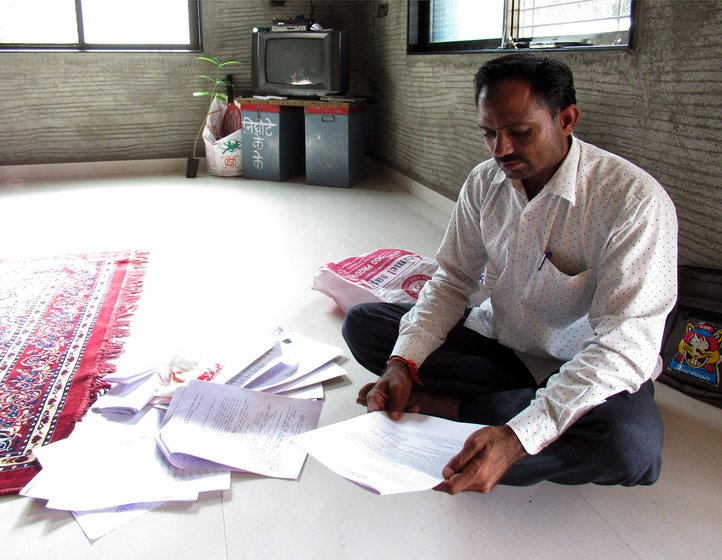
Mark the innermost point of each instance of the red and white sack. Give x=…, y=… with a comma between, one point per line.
x=388, y=275
x=223, y=153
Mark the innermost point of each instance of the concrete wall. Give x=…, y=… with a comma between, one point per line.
x=61, y=107
x=659, y=105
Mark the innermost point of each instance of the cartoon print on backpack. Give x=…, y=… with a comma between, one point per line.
x=698, y=353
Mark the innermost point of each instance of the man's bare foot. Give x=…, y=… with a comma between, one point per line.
x=443, y=406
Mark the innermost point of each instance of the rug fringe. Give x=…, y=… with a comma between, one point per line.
x=113, y=343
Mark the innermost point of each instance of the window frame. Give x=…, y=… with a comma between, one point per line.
x=419, y=11
x=195, y=44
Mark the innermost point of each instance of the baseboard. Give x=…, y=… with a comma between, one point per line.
x=430, y=197
x=13, y=173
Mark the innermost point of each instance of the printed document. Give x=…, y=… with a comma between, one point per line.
x=220, y=426
x=387, y=456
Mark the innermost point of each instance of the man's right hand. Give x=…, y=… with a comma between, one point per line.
x=390, y=393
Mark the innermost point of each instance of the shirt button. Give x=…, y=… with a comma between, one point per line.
x=528, y=215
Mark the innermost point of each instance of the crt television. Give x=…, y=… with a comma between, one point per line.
x=299, y=63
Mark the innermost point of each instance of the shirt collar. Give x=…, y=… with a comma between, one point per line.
x=562, y=183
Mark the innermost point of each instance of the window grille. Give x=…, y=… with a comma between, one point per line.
x=460, y=25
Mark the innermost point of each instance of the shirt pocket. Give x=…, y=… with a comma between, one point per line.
x=558, y=298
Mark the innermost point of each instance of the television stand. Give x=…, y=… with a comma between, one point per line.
x=282, y=137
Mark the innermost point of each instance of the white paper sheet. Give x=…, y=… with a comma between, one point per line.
x=239, y=428
x=127, y=375
x=310, y=392
x=113, y=474
x=387, y=456
x=324, y=373
x=95, y=524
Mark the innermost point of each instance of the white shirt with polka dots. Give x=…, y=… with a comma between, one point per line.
x=592, y=310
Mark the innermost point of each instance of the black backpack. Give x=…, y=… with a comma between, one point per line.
x=692, y=346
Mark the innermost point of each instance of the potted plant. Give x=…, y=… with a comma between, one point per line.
x=217, y=90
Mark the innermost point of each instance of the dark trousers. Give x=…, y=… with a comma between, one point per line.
x=617, y=442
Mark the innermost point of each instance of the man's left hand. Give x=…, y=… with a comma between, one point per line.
x=486, y=456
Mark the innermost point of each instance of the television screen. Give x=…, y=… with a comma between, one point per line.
x=295, y=62
x=299, y=64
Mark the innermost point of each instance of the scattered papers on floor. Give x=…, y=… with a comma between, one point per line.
x=386, y=456
x=218, y=427
x=58, y=458
x=234, y=414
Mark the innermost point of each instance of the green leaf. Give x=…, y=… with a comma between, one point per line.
x=202, y=94
x=208, y=78
x=213, y=60
x=228, y=63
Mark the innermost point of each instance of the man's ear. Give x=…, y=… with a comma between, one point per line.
x=567, y=118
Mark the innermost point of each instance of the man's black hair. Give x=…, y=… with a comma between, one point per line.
x=550, y=80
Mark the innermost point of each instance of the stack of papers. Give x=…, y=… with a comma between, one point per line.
x=294, y=366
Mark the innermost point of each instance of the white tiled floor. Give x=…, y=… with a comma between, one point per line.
x=231, y=257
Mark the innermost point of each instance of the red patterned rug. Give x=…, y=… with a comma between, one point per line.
x=61, y=321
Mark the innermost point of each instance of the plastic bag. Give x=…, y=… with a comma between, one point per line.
x=391, y=275
x=223, y=155
x=180, y=369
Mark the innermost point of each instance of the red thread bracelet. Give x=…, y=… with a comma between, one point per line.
x=412, y=368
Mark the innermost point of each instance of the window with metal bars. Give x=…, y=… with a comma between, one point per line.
x=471, y=25
x=136, y=25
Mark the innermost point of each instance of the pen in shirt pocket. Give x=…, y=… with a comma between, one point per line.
x=546, y=256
